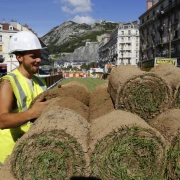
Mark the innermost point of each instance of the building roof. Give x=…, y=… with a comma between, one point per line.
x=6, y=26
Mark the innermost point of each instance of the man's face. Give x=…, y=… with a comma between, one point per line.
x=31, y=61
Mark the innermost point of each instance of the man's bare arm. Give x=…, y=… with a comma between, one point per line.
x=8, y=102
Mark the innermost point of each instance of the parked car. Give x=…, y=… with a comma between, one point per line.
x=44, y=71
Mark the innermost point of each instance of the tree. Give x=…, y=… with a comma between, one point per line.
x=93, y=65
x=85, y=66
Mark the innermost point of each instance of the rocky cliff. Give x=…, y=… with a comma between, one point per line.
x=88, y=52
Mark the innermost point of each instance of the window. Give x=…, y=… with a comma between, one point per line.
x=176, y=34
x=147, y=31
x=1, y=28
x=0, y=38
x=0, y=48
x=136, y=54
x=122, y=32
x=10, y=27
x=175, y=16
x=162, y=7
x=129, y=32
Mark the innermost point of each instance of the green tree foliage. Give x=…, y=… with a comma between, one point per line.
x=85, y=66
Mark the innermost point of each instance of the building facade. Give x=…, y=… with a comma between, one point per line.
x=122, y=47
x=128, y=44
x=160, y=30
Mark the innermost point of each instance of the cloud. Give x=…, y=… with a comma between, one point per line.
x=80, y=8
x=76, y=6
x=66, y=9
x=83, y=19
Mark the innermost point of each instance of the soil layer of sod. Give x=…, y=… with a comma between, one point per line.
x=100, y=102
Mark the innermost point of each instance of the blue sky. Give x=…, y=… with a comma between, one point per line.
x=43, y=15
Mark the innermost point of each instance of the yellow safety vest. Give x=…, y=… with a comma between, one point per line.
x=24, y=96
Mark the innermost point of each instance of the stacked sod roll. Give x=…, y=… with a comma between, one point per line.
x=168, y=124
x=145, y=94
x=172, y=75
x=124, y=146
x=73, y=89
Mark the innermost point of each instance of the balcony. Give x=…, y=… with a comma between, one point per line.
x=127, y=48
x=172, y=6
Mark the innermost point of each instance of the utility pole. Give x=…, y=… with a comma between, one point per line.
x=169, y=39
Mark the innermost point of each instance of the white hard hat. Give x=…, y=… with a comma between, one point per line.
x=23, y=41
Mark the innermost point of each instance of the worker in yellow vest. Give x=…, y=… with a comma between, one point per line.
x=18, y=89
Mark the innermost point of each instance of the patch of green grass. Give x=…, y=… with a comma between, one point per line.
x=90, y=83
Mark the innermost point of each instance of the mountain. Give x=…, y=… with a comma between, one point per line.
x=73, y=41
x=70, y=35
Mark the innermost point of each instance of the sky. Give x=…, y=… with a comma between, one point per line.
x=43, y=15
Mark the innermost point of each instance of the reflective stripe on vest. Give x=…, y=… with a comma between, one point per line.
x=22, y=94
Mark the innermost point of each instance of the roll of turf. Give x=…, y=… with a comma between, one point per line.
x=54, y=148
x=168, y=124
x=172, y=75
x=145, y=94
x=72, y=89
x=123, y=146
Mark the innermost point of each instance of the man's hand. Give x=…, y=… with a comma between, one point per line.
x=37, y=108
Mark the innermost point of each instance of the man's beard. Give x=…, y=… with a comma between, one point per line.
x=29, y=68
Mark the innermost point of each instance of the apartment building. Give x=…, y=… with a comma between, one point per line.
x=128, y=44
x=160, y=30
x=122, y=47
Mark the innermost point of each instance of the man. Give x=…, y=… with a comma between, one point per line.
x=18, y=89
